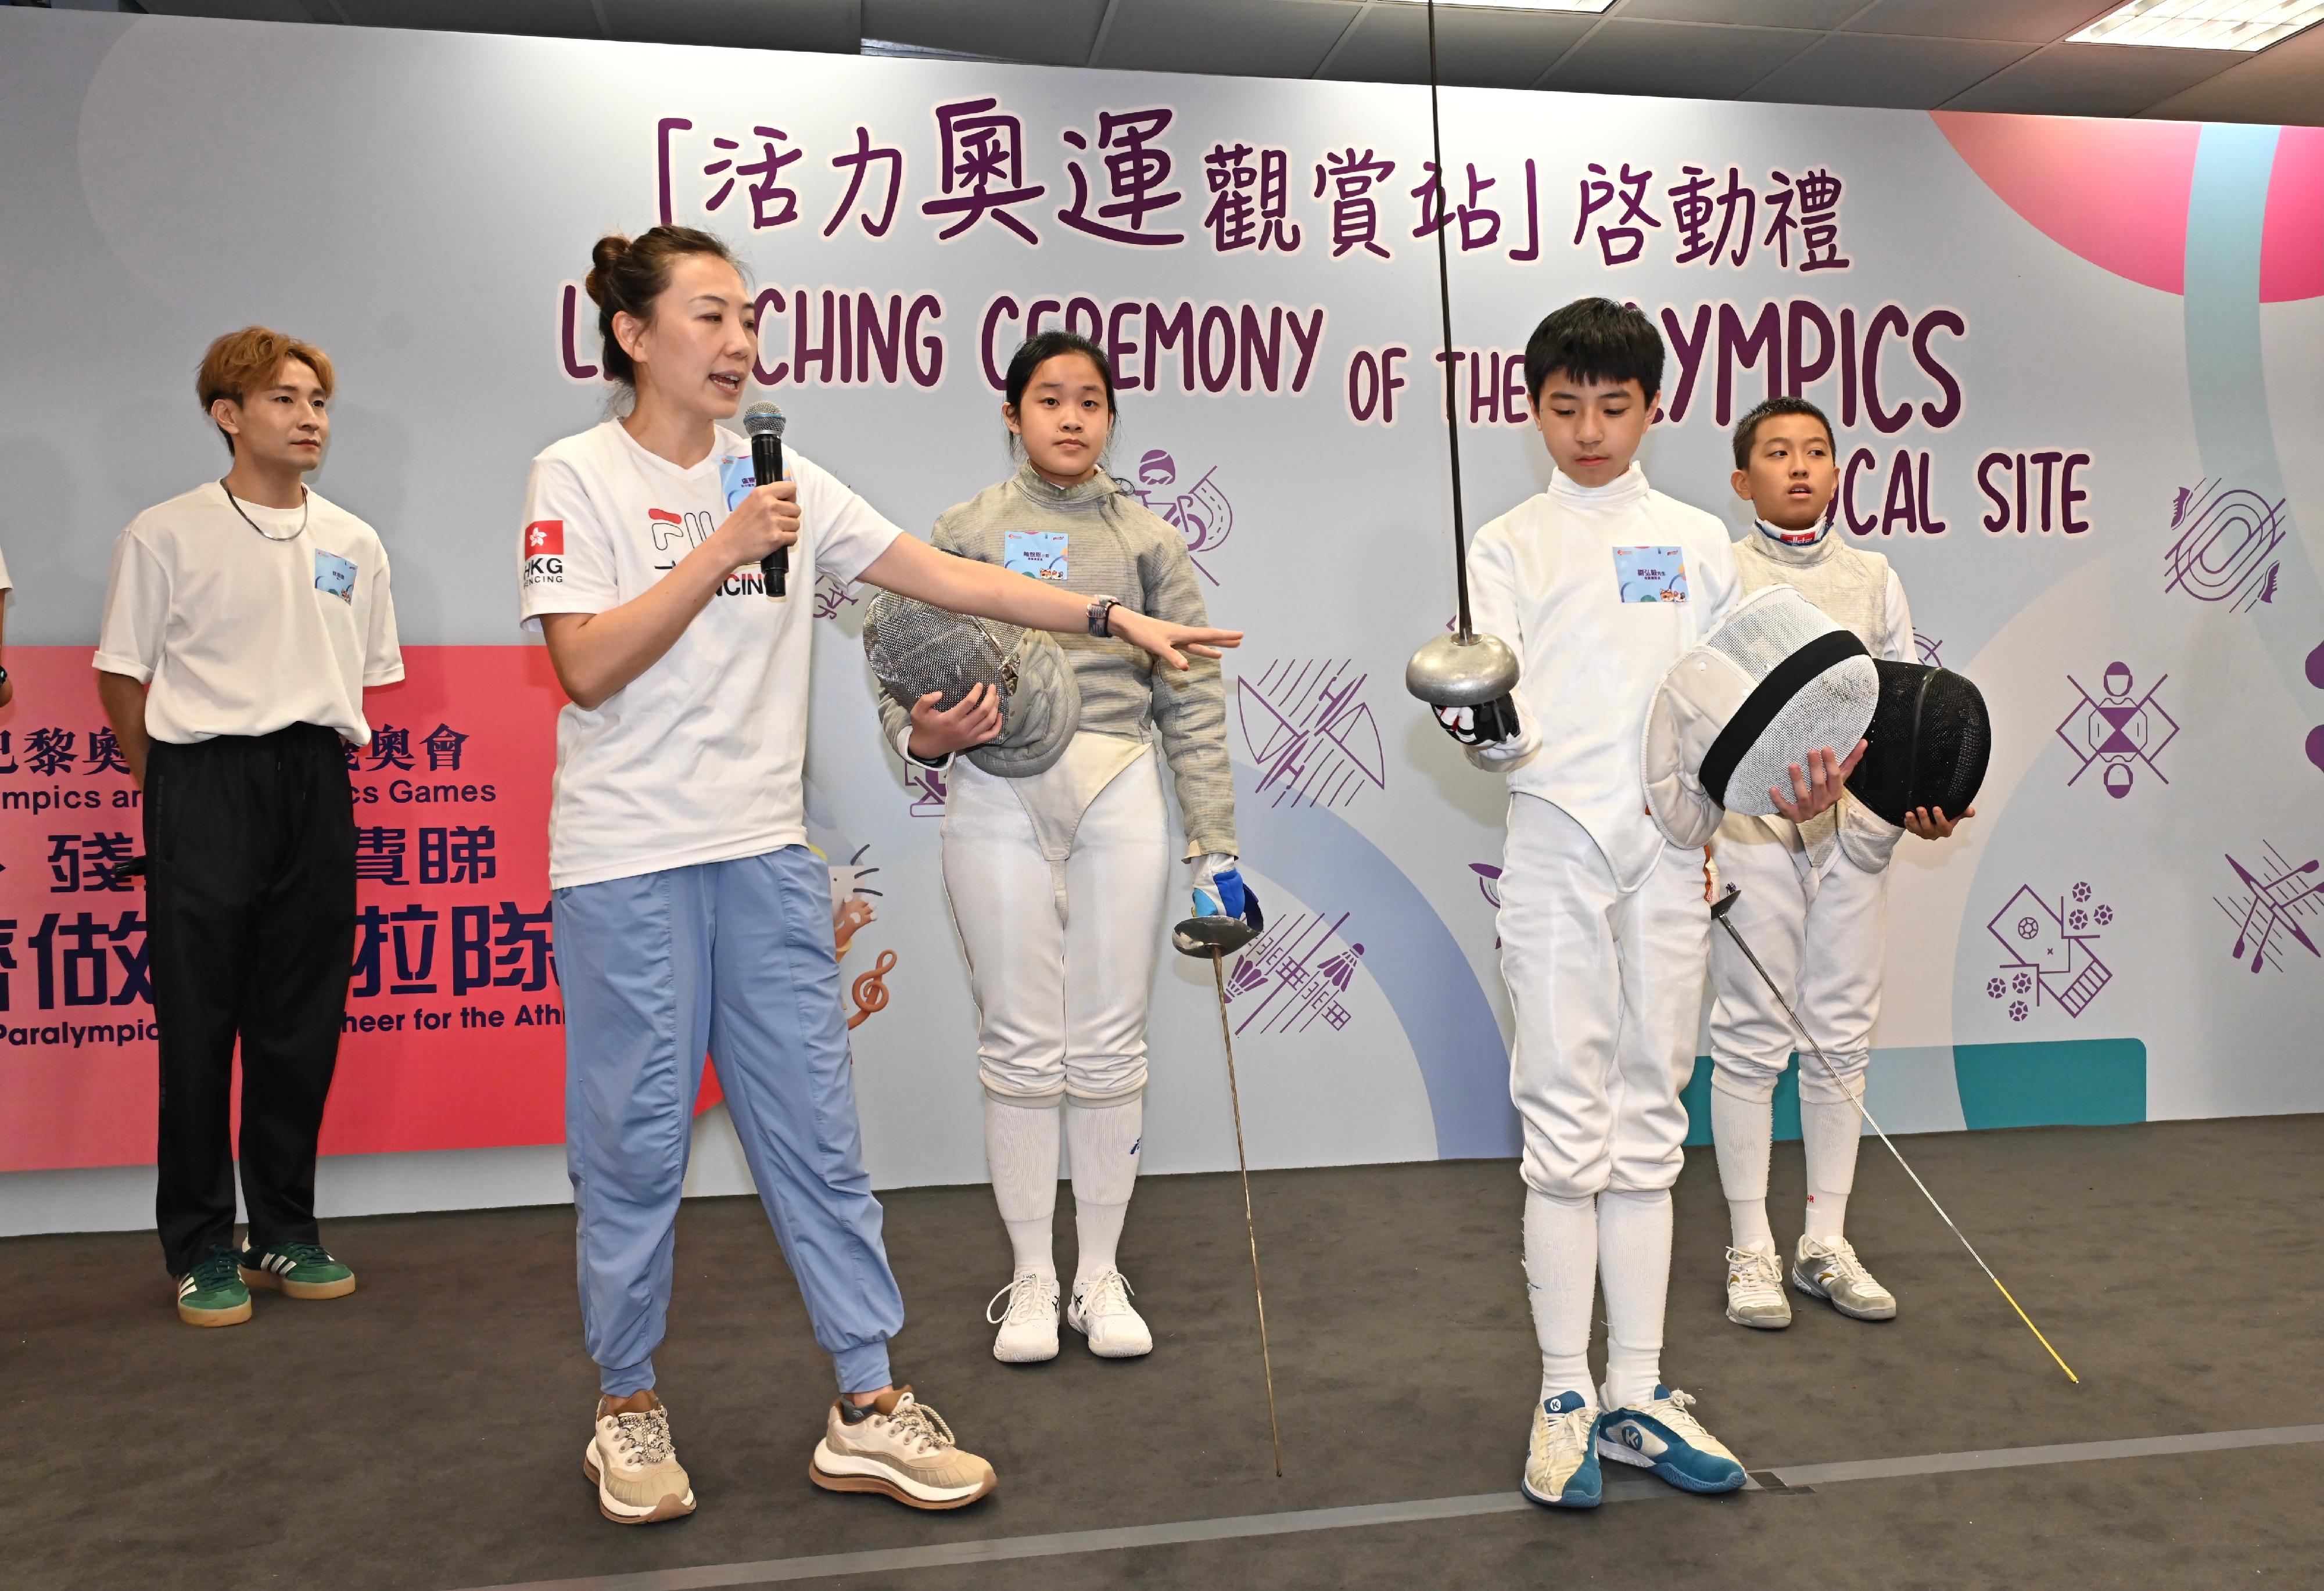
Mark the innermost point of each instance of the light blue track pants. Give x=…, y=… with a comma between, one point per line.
x=734, y=957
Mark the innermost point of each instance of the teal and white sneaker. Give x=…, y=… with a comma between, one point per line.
x=1561, y=1468
x=1660, y=1435
x=297, y=1270
x=212, y=1293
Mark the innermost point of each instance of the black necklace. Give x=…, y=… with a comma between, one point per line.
x=305, y=506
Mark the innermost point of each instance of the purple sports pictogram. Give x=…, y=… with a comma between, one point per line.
x=2117, y=732
x=2274, y=895
x=2225, y=549
x=1311, y=732
x=2047, y=951
x=1298, y=970
x=1200, y=512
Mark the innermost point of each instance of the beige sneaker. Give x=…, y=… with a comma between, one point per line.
x=632, y=1463
x=899, y=1447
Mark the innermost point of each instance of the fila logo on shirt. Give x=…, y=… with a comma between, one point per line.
x=544, y=552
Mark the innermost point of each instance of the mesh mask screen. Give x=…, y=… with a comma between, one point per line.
x=1928, y=745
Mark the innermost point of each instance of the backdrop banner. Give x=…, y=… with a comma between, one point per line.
x=2077, y=368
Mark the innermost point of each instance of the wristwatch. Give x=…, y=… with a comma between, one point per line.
x=1101, y=616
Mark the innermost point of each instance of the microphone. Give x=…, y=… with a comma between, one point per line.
x=765, y=423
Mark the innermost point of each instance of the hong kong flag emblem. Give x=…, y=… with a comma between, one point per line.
x=544, y=538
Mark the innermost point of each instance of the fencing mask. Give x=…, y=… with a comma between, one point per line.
x=1776, y=681
x=915, y=648
x=1927, y=746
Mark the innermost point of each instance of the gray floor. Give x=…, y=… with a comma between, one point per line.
x=425, y=1433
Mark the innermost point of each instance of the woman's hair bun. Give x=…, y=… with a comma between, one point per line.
x=603, y=258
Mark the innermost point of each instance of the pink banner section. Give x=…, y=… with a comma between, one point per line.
x=455, y=1027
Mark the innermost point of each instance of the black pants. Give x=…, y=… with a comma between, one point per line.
x=251, y=897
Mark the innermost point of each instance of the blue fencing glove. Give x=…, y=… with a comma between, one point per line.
x=1220, y=891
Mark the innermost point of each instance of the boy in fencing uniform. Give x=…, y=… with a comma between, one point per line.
x=1597, y=585
x=1813, y=904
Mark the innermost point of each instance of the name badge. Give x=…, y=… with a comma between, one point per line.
x=737, y=476
x=1039, y=553
x=335, y=575
x=1650, y=573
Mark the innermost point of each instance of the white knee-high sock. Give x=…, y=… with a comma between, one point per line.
x=1634, y=1249
x=1103, y=1137
x=1561, y=1260
x=1020, y=1152
x=1742, y=1131
x=1832, y=1132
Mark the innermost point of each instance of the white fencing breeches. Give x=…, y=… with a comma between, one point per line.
x=1822, y=937
x=1607, y=985
x=1061, y=977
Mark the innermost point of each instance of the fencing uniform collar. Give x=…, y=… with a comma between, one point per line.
x=1810, y=546
x=1628, y=488
x=1090, y=495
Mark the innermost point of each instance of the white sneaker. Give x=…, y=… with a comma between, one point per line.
x=1831, y=1272
x=1028, y=1326
x=1755, y=1289
x=1562, y=1468
x=635, y=1465
x=1101, y=1311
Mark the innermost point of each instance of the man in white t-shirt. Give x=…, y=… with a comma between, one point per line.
x=243, y=621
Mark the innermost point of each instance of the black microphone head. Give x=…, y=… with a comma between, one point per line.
x=763, y=420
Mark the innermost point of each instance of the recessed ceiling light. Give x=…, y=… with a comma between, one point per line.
x=2202, y=24
x=1586, y=7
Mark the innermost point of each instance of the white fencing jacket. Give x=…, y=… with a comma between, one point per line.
x=1598, y=589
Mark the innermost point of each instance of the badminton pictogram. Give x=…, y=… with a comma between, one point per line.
x=2117, y=732
x=1303, y=973
x=2274, y=898
x=2225, y=549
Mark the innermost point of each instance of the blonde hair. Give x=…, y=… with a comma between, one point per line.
x=241, y=362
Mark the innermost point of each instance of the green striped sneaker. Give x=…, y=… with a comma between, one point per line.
x=298, y=1270
x=212, y=1293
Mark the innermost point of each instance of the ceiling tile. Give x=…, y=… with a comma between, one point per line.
x=1678, y=61
x=1764, y=14
x=2284, y=83
x=1474, y=48
x=2094, y=80
x=2020, y=21
x=1054, y=33
x=827, y=25
x=556, y=19
x=1234, y=38
x=1865, y=68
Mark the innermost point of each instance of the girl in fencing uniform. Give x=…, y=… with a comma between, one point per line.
x=1058, y=878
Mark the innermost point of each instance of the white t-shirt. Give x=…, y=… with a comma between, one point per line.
x=1599, y=589
x=699, y=759
x=241, y=635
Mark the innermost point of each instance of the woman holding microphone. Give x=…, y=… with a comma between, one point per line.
x=690, y=915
